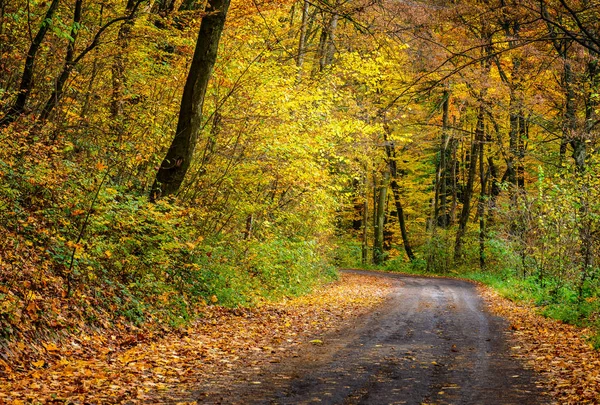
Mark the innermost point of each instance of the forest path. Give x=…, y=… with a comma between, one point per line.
x=431, y=342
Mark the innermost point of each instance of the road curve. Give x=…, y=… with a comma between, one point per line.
x=431, y=342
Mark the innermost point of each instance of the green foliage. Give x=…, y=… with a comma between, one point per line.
x=438, y=253
x=554, y=297
x=348, y=253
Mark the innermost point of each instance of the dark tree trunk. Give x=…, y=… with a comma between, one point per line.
x=454, y=180
x=401, y=219
x=365, y=221
x=513, y=141
x=495, y=188
x=481, y=205
x=358, y=205
x=468, y=191
x=67, y=67
x=521, y=150
x=326, y=48
x=303, y=35
x=71, y=61
x=392, y=164
x=380, y=212
x=441, y=209
x=2, y=13
x=179, y=156
x=27, y=77
x=118, y=74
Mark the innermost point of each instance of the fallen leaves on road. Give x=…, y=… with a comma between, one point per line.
x=223, y=346
x=569, y=364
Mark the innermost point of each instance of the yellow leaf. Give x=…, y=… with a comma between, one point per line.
x=316, y=342
x=51, y=347
x=39, y=363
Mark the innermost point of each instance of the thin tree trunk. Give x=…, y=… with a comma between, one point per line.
x=441, y=215
x=249, y=226
x=454, y=171
x=523, y=135
x=118, y=75
x=365, y=220
x=401, y=219
x=513, y=141
x=330, y=50
x=179, y=156
x=357, y=186
x=67, y=67
x=378, y=254
x=392, y=165
x=494, y=189
x=71, y=61
x=481, y=205
x=2, y=13
x=303, y=34
x=27, y=77
x=326, y=42
x=468, y=191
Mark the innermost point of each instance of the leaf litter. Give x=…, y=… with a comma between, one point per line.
x=226, y=344
x=561, y=353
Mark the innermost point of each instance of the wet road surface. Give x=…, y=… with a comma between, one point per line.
x=430, y=342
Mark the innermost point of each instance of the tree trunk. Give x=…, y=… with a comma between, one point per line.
x=454, y=184
x=392, y=164
x=481, y=205
x=327, y=42
x=513, y=135
x=401, y=219
x=378, y=254
x=357, y=218
x=494, y=188
x=365, y=221
x=303, y=34
x=330, y=50
x=27, y=77
x=71, y=61
x=118, y=75
x=441, y=212
x=179, y=156
x=468, y=191
x=2, y=13
x=523, y=135
x=67, y=67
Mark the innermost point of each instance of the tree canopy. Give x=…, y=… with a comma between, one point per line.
x=161, y=155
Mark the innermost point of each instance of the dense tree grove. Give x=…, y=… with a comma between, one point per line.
x=155, y=160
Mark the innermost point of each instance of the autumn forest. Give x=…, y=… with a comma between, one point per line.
x=165, y=159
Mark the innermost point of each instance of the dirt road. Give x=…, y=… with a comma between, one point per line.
x=431, y=342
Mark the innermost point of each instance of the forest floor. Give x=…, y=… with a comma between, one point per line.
x=369, y=338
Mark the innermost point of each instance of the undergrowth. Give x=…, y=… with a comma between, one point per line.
x=105, y=257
